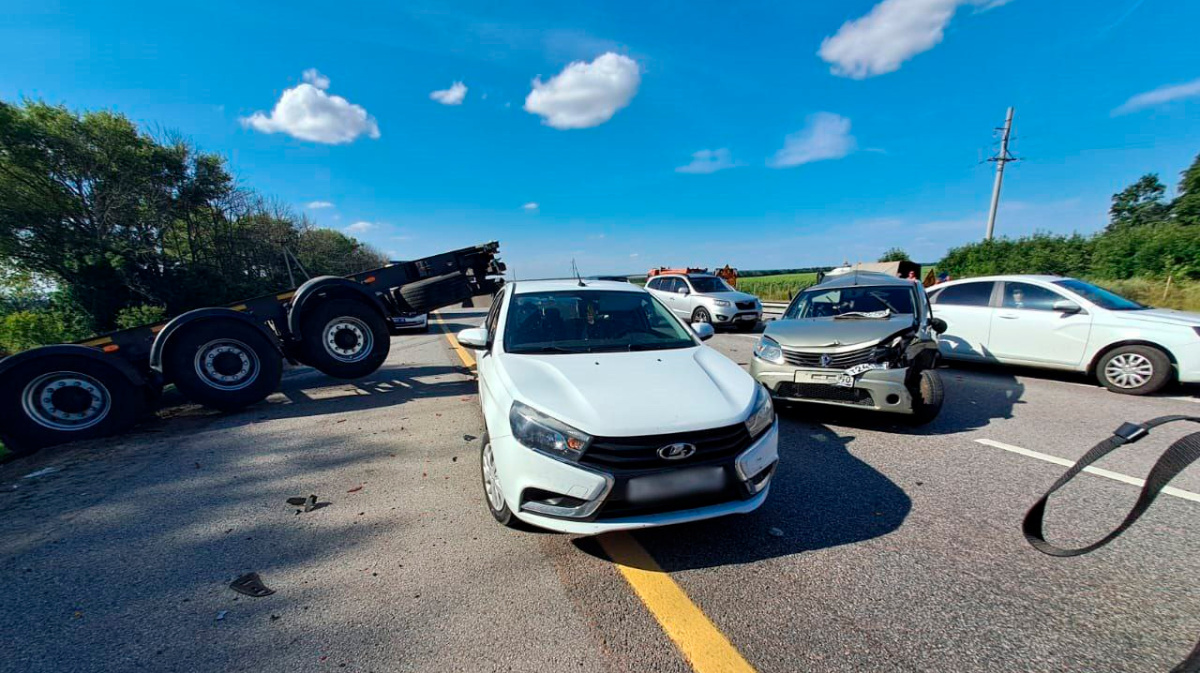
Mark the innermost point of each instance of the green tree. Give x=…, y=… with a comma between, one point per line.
x=1186, y=208
x=894, y=255
x=1138, y=204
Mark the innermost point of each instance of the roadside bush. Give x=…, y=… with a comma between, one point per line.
x=143, y=314
x=1154, y=250
x=1040, y=253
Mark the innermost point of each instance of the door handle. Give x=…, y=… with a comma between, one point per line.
x=1008, y=316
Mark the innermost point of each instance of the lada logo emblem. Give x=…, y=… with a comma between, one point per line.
x=826, y=360
x=676, y=451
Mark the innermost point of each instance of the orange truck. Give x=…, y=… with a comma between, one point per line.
x=728, y=273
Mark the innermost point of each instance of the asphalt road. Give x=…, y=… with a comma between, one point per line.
x=900, y=548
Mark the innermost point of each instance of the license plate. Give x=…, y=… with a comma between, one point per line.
x=844, y=380
x=675, y=484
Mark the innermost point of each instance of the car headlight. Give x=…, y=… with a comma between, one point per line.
x=721, y=302
x=763, y=414
x=768, y=349
x=548, y=435
x=892, y=352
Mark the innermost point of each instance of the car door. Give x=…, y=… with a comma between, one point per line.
x=966, y=308
x=670, y=294
x=1027, y=329
x=485, y=362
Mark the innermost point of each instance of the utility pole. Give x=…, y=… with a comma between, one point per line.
x=1002, y=158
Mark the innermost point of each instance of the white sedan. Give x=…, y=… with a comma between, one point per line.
x=603, y=411
x=1065, y=323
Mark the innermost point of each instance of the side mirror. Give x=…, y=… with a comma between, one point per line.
x=938, y=325
x=703, y=330
x=683, y=291
x=476, y=337
x=1066, y=306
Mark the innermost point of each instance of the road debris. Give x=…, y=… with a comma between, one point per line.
x=41, y=473
x=775, y=532
x=251, y=585
x=309, y=503
x=469, y=438
x=221, y=615
x=356, y=489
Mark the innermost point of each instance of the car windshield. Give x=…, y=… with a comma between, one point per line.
x=709, y=284
x=590, y=321
x=865, y=302
x=1099, y=296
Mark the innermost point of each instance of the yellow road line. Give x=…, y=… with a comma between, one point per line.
x=700, y=641
x=463, y=354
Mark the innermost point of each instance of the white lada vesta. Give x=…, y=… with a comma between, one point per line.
x=606, y=412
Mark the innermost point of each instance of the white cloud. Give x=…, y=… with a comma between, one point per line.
x=360, y=227
x=317, y=205
x=825, y=136
x=452, y=96
x=1159, y=96
x=530, y=207
x=307, y=112
x=708, y=161
x=584, y=95
x=315, y=78
x=890, y=34
x=632, y=255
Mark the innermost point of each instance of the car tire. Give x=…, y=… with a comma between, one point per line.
x=702, y=315
x=345, y=338
x=928, y=397
x=425, y=296
x=251, y=369
x=1134, y=370
x=491, y=485
x=112, y=402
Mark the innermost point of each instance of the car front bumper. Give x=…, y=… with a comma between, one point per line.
x=875, y=390
x=410, y=321
x=523, y=471
x=731, y=315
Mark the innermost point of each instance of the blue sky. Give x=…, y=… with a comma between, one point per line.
x=836, y=129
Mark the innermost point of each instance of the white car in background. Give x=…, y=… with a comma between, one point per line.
x=604, y=412
x=1065, y=323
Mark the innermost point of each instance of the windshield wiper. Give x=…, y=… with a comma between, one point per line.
x=550, y=349
x=872, y=315
x=659, y=346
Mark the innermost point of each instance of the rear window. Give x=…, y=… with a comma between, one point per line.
x=967, y=294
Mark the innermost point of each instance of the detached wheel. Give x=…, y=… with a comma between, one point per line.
x=345, y=338
x=433, y=293
x=58, y=399
x=927, y=398
x=701, y=315
x=223, y=364
x=1134, y=370
x=492, y=493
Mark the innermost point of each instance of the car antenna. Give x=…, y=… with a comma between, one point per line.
x=575, y=270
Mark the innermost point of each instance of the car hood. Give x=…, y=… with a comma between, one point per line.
x=833, y=332
x=728, y=296
x=633, y=394
x=1162, y=316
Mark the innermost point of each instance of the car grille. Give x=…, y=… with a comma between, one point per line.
x=836, y=360
x=826, y=392
x=745, y=305
x=641, y=453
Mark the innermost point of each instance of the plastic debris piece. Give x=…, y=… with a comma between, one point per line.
x=251, y=585
x=454, y=459
x=309, y=503
x=775, y=532
x=356, y=489
x=221, y=615
x=41, y=473
x=469, y=438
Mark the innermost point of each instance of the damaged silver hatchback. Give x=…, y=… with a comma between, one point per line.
x=858, y=339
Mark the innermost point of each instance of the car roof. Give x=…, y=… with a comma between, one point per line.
x=852, y=278
x=572, y=284
x=1045, y=278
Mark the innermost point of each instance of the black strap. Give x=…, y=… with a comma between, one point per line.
x=1174, y=460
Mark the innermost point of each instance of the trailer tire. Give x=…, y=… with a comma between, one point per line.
x=223, y=364
x=56, y=399
x=345, y=338
x=425, y=296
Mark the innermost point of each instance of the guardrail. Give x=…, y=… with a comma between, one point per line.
x=774, y=307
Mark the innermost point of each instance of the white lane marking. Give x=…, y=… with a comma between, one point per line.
x=1116, y=476
x=1195, y=400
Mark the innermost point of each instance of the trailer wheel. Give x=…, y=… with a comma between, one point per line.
x=223, y=364
x=427, y=295
x=345, y=338
x=58, y=399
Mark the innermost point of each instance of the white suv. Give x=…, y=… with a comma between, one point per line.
x=577, y=382
x=703, y=297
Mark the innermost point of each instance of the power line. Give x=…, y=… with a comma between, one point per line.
x=1001, y=158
